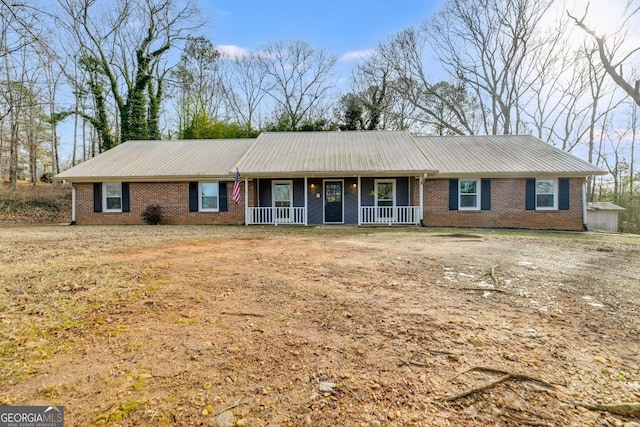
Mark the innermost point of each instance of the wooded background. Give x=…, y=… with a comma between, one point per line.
x=142, y=69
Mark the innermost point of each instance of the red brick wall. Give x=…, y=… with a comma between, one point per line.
x=173, y=198
x=414, y=193
x=507, y=208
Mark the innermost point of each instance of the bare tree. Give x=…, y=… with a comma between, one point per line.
x=489, y=45
x=372, y=85
x=430, y=105
x=195, y=82
x=122, y=49
x=20, y=27
x=242, y=82
x=298, y=78
x=610, y=51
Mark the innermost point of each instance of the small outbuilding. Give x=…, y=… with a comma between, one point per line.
x=603, y=216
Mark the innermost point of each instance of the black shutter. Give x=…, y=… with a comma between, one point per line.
x=193, y=197
x=485, y=194
x=97, y=197
x=563, y=194
x=531, y=194
x=222, y=191
x=125, y=197
x=453, y=194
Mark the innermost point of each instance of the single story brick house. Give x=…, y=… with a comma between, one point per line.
x=360, y=178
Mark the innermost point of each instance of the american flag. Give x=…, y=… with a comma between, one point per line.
x=236, y=188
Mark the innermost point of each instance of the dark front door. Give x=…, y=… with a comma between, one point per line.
x=333, y=201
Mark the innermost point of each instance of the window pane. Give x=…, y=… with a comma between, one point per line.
x=467, y=201
x=544, y=187
x=385, y=191
x=209, y=189
x=114, y=203
x=545, y=200
x=333, y=192
x=282, y=192
x=468, y=187
x=113, y=190
x=209, y=202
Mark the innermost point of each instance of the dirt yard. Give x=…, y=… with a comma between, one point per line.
x=170, y=325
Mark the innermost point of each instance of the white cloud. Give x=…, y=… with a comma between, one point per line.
x=232, y=51
x=357, y=54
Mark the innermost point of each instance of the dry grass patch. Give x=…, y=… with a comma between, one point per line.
x=285, y=326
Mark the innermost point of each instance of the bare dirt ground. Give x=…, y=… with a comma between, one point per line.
x=171, y=325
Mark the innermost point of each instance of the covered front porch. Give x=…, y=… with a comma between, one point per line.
x=357, y=200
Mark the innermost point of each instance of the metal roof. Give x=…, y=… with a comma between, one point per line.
x=501, y=156
x=289, y=154
x=162, y=160
x=604, y=206
x=334, y=153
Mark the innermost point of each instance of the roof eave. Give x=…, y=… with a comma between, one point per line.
x=335, y=174
x=153, y=178
x=527, y=174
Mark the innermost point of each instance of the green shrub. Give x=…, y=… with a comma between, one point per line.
x=46, y=177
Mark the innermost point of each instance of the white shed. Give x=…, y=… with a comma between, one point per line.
x=603, y=216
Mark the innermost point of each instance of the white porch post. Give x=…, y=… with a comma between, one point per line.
x=306, y=202
x=359, y=192
x=246, y=201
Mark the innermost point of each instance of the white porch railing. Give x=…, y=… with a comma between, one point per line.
x=267, y=215
x=390, y=215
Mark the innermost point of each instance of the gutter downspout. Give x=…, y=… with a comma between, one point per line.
x=584, y=205
x=73, y=205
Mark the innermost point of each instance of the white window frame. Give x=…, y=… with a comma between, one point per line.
x=555, y=195
x=273, y=191
x=477, y=194
x=105, y=196
x=282, y=214
x=201, y=195
x=393, y=191
x=384, y=213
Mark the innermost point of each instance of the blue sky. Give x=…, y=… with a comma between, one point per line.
x=342, y=26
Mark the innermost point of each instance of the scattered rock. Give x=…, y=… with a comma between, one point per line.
x=326, y=386
x=226, y=419
x=600, y=360
x=476, y=342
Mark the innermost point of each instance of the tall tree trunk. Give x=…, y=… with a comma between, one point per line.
x=634, y=121
x=13, y=155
